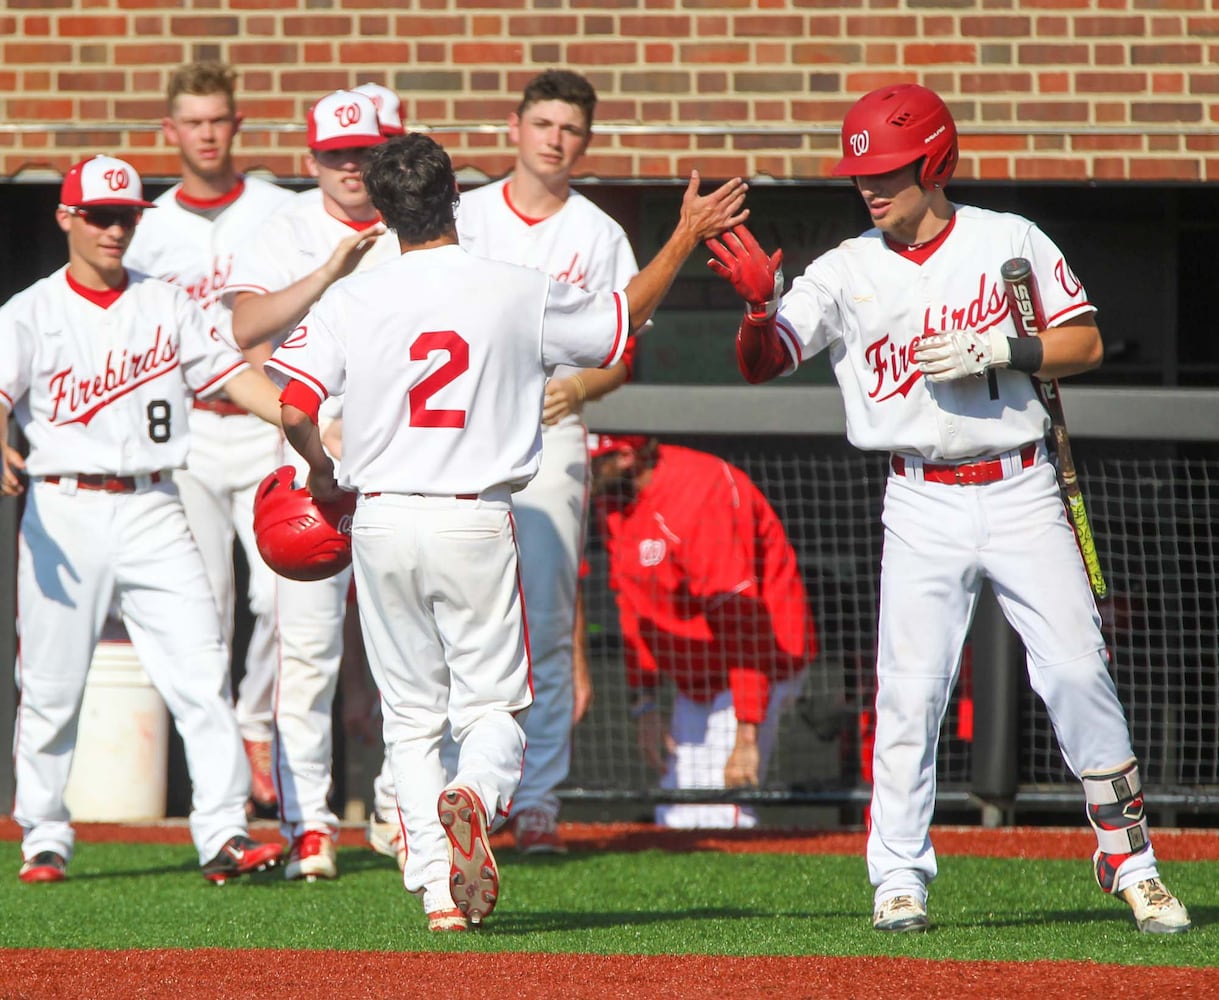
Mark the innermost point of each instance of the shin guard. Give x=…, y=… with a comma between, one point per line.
x=1115, y=810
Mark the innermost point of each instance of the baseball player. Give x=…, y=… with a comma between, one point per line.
x=444, y=398
x=533, y=217
x=319, y=237
x=915, y=319
x=190, y=240
x=390, y=116
x=99, y=365
x=709, y=594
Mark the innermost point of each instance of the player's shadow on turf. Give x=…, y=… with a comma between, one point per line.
x=508, y=923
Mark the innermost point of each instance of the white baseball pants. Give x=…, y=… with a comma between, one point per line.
x=704, y=733
x=79, y=552
x=438, y=591
x=940, y=543
x=550, y=515
x=229, y=456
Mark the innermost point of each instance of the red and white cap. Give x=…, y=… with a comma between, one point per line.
x=390, y=115
x=344, y=120
x=605, y=444
x=103, y=180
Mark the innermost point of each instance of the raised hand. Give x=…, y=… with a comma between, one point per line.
x=705, y=216
x=757, y=278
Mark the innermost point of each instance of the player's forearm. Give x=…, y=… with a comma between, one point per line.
x=252, y=390
x=600, y=382
x=1070, y=349
x=259, y=318
x=759, y=352
x=303, y=434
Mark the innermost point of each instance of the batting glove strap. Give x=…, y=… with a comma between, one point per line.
x=760, y=312
x=1026, y=354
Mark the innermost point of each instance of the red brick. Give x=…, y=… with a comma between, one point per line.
x=1167, y=83
x=1162, y=27
x=1053, y=111
x=313, y=83
x=820, y=53
x=421, y=26
x=318, y=53
x=487, y=53
x=714, y=52
x=659, y=52
x=371, y=51
x=1111, y=83
x=994, y=83
x=165, y=54
x=767, y=26
x=934, y=55
x=1108, y=26
x=1168, y=111
x=1032, y=168
x=1202, y=27
x=1054, y=83
x=245, y=53
x=1091, y=142
x=991, y=26
x=316, y=26
x=215, y=26
x=603, y=53
x=32, y=26
x=37, y=52
x=38, y=109
x=655, y=25
x=521, y=25
x=1164, y=170
x=712, y=111
x=881, y=25
x=481, y=26
x=91, y=26
x=1039, y=54
x=1166, y=53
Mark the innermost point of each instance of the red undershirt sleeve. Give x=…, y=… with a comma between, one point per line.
x=760, y=354
x=297, y=394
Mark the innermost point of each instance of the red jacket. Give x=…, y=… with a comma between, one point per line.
x=706, y=582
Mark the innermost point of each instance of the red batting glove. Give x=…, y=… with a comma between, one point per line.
x=758, y=279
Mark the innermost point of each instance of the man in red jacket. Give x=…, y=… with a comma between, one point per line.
x=709, y=595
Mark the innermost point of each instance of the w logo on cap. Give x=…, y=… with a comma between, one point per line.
x=860, y=142
x=347, y=115
x=117, y=179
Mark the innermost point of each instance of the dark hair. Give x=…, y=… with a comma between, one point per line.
x=560, y=85
x=411, y=182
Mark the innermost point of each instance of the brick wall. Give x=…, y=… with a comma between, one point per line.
x=1042, y=89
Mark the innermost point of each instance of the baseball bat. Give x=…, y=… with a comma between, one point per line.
x=1029, y=316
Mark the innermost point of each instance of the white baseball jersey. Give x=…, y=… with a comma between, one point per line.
x=870, y=307
x=579, y=244
x=294, y=241
x=194, y=249
x=444, y=391
x=107, y=390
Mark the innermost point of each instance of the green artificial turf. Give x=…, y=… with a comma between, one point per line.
x=152, y=896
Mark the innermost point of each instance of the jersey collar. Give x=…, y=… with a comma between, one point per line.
x=920, y=252
x=105, y=298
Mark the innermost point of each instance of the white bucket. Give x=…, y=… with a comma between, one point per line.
x=120, y=767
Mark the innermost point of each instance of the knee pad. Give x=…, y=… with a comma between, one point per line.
x=1115, y=810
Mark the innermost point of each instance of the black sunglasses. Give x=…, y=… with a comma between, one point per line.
x=103, y=217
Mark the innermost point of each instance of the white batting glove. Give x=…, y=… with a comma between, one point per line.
x=954, y=354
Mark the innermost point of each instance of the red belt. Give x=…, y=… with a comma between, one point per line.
x=107, y=484
x=457, y=496
x=225, y=407
x=989, y=470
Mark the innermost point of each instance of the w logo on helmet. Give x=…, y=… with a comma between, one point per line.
x=860, y=141
x=347, y=115
x=117, y=179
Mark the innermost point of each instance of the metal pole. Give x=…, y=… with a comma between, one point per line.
x=8, y=641
x=997, y=658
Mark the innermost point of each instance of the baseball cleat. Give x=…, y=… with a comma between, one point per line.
x=45, y=866
x=447, y=920
x=537, y=832
x=900, y=914
x=1156, y=910
x=473, y=874
x=241, y=855
x=312, y=857
x=387, y=838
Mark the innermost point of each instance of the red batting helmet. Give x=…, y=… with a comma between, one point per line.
x=298, y=537
x=605, y=444
x=897, y=125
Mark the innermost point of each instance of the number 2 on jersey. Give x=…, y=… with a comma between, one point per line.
x=425, y=345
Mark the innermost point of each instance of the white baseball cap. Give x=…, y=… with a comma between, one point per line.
x=389, y=108
x=103, y=180
x=344, y=120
